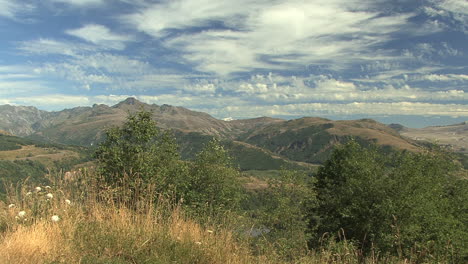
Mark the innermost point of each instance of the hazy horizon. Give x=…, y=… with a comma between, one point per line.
x=407, y=121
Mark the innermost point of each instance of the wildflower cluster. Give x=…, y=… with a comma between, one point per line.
x=42, y=202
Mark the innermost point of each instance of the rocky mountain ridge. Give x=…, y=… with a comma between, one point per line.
x=308, y=139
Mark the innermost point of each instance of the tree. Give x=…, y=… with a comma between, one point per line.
x=140, y=153
x=401, y=204
x=281, y=213
x=351, y=193
x=213, y=184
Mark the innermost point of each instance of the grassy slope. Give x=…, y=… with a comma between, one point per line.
x=244, y=155
x=22, y=159
x=312, y=139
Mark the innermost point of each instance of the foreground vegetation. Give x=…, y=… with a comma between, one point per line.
x=143, y=204
x=76, y=224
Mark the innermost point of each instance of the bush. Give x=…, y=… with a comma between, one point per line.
x=139, y=154
x=213, y=184
x=403, y=204
x=281, y=214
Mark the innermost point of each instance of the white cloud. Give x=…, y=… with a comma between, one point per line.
x=80, y=3
x=456, y=10
x=269, y=34
x=454, y=6
x=101, y=36
x=275, y=89
x=116, y=64
x=19, y=80
x=442, y=77
x=178, y=14
x=11, y=8
x=44, y=46
x=13, y=88
x=61, y=100
x=114, y=72
x=240, y=108
x=328, y=109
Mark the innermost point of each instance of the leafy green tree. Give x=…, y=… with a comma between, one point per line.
x=425, y=202
x=213, y=184
x=282, y=213
x=403, y=204
x=351, y=194
x=139, y=153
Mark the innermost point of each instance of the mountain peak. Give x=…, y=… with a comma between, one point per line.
x=130, y=101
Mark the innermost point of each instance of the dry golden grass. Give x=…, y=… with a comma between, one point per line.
x=129, y=232
x=37, y=243
x=382, y=137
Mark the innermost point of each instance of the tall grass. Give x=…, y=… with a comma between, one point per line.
x=98, y=226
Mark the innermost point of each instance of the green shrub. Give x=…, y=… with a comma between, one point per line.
x=139, y=154
x=280, y=214
x=212, y=185
x=403, y=204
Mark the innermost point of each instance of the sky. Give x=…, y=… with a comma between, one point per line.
x=396, y=61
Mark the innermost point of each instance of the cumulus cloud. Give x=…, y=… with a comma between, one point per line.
x=101, y=36
x=356, y=108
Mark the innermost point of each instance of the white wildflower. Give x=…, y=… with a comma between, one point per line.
x=11, y=206
x=48, y=187
x=22, y=214
x=67, y=201
x=55, y=218
x=49, y=196
x=38, y=189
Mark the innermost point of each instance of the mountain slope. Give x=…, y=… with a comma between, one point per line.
x=22, y=159
x=301, y=140
x=20, y=120
x=84, y=125
x=312, y=139
x=454, y=136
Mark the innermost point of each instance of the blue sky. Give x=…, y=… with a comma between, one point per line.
x=394, y=60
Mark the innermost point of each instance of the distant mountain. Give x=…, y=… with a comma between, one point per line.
x=258, y=143
x=20, y=120
x=455, y=136
x=312, y=139
x=85, y=125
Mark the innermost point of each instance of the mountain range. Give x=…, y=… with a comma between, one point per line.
x=262, y=142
